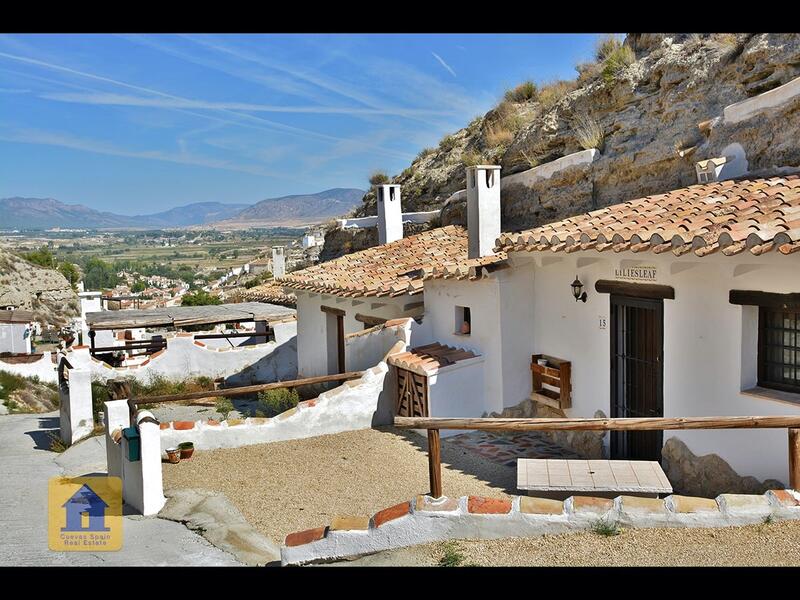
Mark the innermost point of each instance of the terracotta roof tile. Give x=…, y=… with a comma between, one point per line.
x=427, y=360
x=733, y=215
x=270, y=292
x=393, y=269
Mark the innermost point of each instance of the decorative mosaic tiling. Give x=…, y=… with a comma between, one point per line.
x=507, y=448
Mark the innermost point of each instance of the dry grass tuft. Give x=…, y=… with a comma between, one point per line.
x=588, y=132
x=553, y=92
x=524, y=92
x=378, y=178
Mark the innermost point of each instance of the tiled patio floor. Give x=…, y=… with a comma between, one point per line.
x=506, y=448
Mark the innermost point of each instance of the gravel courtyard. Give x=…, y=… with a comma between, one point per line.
x=774, y=544
x=283, y=487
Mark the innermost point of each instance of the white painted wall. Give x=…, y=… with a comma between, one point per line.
x=709, y=344
x=44, y=368
x=390, y=213
x=315, y=356
x=76, y=420
x=366, y=222
x=456, y=391
x=12, y=338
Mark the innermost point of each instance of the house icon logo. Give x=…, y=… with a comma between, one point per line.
x=85, y=514
x=86, y=511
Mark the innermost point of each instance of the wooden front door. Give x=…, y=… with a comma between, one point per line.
x=412, y=394
x=637, y=372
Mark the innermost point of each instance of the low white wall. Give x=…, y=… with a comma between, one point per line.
x=185, y=357
x=745, y=109
x=366, y=222
x=348, y=407
x=457, y=391
x=425, y=520
x=44, y=368
x=364, y=349
x=539, y=173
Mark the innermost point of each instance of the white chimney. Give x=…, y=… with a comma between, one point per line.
x=390, y=214
x=278, y=261
x=483, y=209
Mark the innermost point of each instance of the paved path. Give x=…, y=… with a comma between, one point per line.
x=25, y=469
x=506, y=448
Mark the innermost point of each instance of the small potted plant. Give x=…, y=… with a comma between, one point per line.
x=186, y=449
x=173, y=455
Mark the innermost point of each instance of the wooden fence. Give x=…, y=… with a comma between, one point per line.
x=434, y=424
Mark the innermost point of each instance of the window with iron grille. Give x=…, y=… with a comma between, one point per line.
x=779, y=348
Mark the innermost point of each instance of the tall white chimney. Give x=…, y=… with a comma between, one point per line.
x=390, y=214
x=278, y=261
x=483, y=209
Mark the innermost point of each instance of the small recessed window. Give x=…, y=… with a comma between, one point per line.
x=463, y=320
x=779, y=349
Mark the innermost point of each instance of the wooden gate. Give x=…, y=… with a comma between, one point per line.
x=412, y=394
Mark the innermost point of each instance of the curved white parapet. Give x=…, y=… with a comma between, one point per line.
x=539, y=173
x=578, y=159
x=426, y=519
x=44, y=368
x=367, y=222
x=745, y=109
x=348, y=407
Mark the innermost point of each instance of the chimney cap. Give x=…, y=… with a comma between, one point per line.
x=495, y=167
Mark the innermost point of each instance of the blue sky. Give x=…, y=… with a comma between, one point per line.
x=142, y=123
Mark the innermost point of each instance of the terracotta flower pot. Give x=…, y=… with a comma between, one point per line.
x=187, y=449
x=173, y=455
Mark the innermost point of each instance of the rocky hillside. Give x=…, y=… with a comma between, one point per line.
x=649, y=105
x=44, y=291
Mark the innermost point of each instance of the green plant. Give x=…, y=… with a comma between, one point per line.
x=378, y=178
x=769, y=519
x=274, y=402
x=224, y=407
x=56, y=445
x=588, y=132
x=451, y=556
x=605, y=528
x=524, y=92
x=199, y=298
x=448, y=143
x=424, y=152
x=615, y=57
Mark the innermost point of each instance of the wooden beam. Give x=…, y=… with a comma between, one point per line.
x=794, y=459
x=340, y=342
x=370, y=320
x=248, y=389
x=625, y=424
x=756, y=298
x=637, y=290
x=435, y=462
x=332, y=311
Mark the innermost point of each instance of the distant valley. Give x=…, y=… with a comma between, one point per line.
x=46, y=213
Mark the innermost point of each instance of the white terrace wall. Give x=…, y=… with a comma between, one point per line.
x=76, y=419
x=710, y=345
x=348, y=407
x=44, y=368
x=745, y=109
x=366, y=222
x=315, y=355
x=186, y=357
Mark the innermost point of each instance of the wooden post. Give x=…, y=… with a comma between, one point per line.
x=794, y=458
x=435, y=463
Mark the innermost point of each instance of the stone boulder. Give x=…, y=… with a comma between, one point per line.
x=707, y=475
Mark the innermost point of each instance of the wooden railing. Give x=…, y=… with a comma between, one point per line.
x=434, y=424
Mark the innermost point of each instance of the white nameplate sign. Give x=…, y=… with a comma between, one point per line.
x=640, y=274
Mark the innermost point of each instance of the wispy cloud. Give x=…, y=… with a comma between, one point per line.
x=444, y=64
x=66, y=140
x=126, y=100
x=237, y=116
x=13, y=91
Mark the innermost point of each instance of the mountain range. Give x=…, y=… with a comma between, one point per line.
x=45, y=213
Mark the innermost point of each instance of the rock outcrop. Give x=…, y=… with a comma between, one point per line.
x=656, y=118
x=707, y=475
x=46, y=292
x=586, y=444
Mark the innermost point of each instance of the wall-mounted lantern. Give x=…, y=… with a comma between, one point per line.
x=577, y=290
